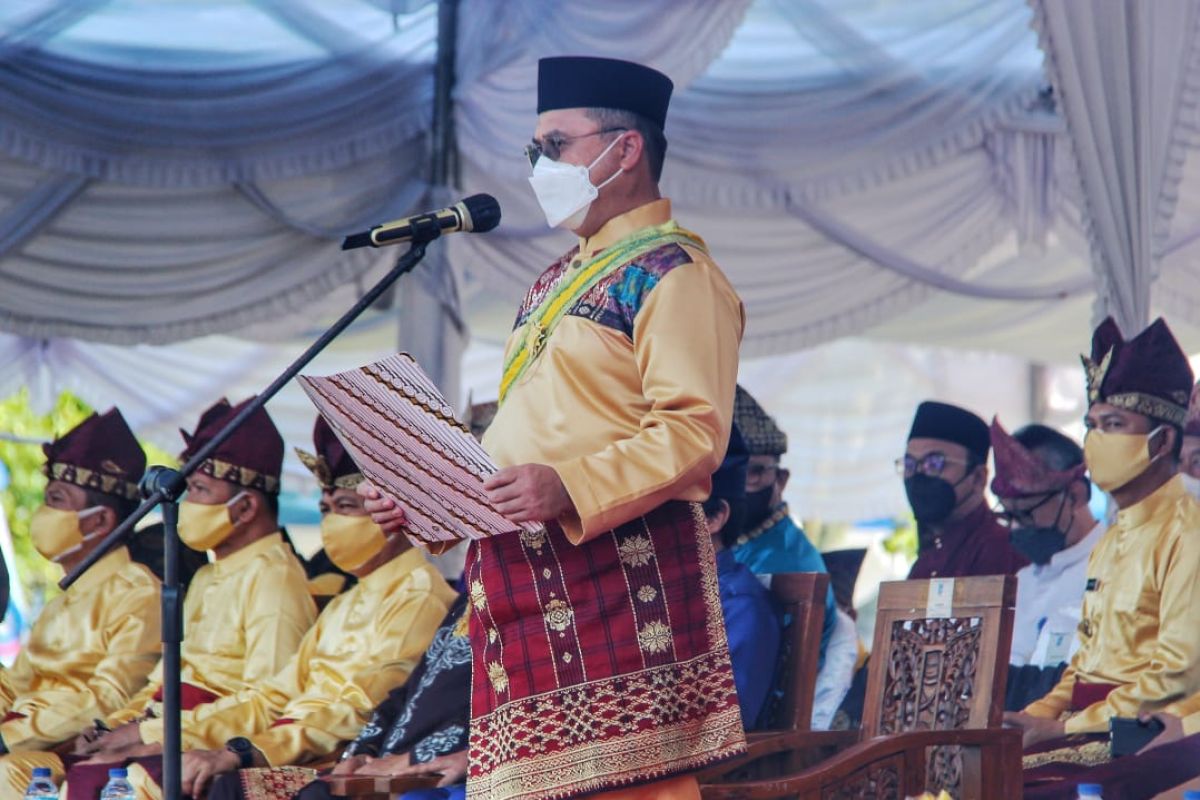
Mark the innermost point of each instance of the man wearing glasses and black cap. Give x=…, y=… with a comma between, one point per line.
x=945, y=473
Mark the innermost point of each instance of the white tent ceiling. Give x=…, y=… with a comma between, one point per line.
x=895, y=172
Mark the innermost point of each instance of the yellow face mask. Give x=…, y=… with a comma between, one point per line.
x=203, y=527
x=55, y=532
x=350, y=541
x=1115, y=459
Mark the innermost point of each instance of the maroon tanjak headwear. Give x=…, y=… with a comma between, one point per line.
x=1148, y=374
x=1019, y=473
x=251, y=458
x=331, y=465
x=99, y=454
x=1191, y=427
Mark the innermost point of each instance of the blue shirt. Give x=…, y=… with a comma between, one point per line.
x=783, y=547
x=753, y=630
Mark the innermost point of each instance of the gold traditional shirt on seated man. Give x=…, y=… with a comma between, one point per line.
x=364, y=644
x=1138, y=629
x=90, y=650
x=244, y=617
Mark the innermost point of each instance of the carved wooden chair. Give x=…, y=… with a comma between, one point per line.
x=934, y=705
x=800, y=596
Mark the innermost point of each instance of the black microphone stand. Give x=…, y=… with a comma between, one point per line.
x=163, y=486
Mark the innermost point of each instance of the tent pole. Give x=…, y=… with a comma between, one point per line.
x=444, y=165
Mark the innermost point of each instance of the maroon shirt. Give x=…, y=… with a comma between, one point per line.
x=977, y=544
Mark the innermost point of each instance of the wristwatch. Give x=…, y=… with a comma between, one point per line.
x=241, y=747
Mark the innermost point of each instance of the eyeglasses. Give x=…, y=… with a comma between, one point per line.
x=932, y=464
x=552, y=146
x=1023, y=517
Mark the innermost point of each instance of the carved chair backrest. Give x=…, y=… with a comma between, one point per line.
x=940, y=665
x=800, y=597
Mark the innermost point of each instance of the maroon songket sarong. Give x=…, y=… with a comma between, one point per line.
x=1136, y=777
x=598, y=666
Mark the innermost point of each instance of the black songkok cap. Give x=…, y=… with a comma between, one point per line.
x=949, y=423
x=587, y=82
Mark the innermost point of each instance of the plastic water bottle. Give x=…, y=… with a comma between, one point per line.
x=118, y=786
x=41, y=787
x=1090, y=791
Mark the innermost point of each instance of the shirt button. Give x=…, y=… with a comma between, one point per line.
x=575, y=264
x=933, y=573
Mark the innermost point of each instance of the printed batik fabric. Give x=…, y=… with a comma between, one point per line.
x=601, y=665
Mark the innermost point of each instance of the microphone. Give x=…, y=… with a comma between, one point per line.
x=476, y=214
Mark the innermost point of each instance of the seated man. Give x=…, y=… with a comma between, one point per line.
x=245, y=614
x=93, y=646
x=945, y=473
x=751, y=624
x=1139, y=644
x=771, y=540
x=366, y=642
x=420, y=727
x=1041, y=483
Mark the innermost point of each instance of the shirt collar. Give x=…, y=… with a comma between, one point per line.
x=969, y=524
x=101, y=571
x=1160, y=501
x=655, y=212
x=393, y=572
x=1078, y=551
x=239, y=559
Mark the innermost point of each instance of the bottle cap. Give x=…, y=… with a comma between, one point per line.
x=117, y=772
x=1090, y=789
x=41, y=772
x=1191, y=794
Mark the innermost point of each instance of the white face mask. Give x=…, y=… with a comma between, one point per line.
x=1191, y=484
x=565, y=191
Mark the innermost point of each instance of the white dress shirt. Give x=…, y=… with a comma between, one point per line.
x=1050, y=604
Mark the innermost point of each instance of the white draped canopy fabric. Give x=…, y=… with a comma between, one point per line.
x=175, y=178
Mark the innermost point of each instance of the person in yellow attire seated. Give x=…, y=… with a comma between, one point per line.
x=93, y=646
x=244, y=614
x=1139, y=645
x=364, y=644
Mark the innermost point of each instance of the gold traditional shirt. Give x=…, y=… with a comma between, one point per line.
x=630, y=412
x=244, y=617
x=365, y=643
x=1138, y=629
x=90, y=649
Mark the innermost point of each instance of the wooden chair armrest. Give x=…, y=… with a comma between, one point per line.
x=362, y=785
x=760, y=744
x=853, y=758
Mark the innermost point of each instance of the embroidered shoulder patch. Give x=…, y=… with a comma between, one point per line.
x=615, y=301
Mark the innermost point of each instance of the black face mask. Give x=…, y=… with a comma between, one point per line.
x=758, y=506
x=931, y=499
x=1038, y=544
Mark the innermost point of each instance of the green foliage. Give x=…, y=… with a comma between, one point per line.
x=26, y=481
x=903, y=539
x=24, y=461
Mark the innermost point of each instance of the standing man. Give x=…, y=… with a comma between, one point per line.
x=1041, y=483
x=1139, y=645
x=94, y=645
x=945, y=472
x=771, y=541
x=600, y=662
